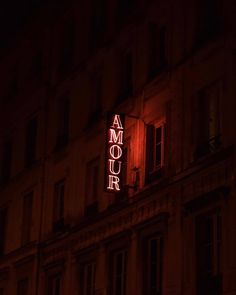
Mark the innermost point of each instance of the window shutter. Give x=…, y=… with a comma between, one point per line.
x=202, y=118
x=167, y=137
x=3, y=218
x=149, y=151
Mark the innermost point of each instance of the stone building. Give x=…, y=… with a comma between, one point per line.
x=168, y=69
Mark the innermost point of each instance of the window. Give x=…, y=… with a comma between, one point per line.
x=209, y=19
x=31, y=142
x=54, y=284
x=36, y=70
x=3, y=225
x=157, y=58
x=124, y=9
x=118, y=272
x=208, y=253
x=88, y=284
x=126, y=77
x=6, y=161
x=63, y=119
x=59, y=198
x=12, y=88
x=92, y=180
x=155, y=135
x=208, y=137
x=153, y=262
x=68, y=48
x=96, y=97
x=22, y=286
x=27, y=218
x=98, y=22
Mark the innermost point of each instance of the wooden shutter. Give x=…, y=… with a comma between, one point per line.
x=149, y=151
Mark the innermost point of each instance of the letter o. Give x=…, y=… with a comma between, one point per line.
x=115, y=151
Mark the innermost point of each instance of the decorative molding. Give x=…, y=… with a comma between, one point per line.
x=206, y=199
x=54, y=253
x=120, y=222
x=203, y=183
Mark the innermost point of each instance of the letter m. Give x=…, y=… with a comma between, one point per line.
x=116, y=137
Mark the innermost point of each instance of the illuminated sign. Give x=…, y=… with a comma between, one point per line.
x=114, y=152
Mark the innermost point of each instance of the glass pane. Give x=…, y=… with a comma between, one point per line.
x=57, y=286
x=120, y=273
x=22, y=287
x=158, y=134
x=158, y=155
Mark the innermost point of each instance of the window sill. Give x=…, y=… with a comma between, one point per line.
x=207, y=148
x=58, y=226
x=91, y=210
x=154, y=176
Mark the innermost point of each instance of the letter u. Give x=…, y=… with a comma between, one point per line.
x=112, y=167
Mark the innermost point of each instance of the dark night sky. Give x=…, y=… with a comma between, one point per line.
x=14, y=14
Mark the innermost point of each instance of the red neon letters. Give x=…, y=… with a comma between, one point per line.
x=115, y=151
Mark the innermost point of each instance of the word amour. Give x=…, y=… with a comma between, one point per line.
x=114, y=153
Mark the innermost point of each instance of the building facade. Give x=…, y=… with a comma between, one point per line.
x=168, y=69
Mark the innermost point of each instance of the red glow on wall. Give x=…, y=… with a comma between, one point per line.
x=114, y=152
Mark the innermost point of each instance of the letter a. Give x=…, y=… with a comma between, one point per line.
x=117, y=122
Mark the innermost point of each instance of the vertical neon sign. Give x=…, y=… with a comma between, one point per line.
x=114, y=152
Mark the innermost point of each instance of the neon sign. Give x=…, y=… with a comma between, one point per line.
x=114, y=152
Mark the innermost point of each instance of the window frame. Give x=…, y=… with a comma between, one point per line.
x=68, y=47
x=153, y=171
x=161, y=143
x=206, y=98
x=96, y=96
x=59, y=204
x=63, y=122
x=209, y=21
x=147, y=265
x=85, y=266
x=157, y=48
x=125, y=79
x=84, y=258
x=92, y=184
x=3, y=227
x=52, y=283
x=31, y=139
x=114, y=268
x=214, y=277
x=21, y=283
x=7, y=157
x=27, y=224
